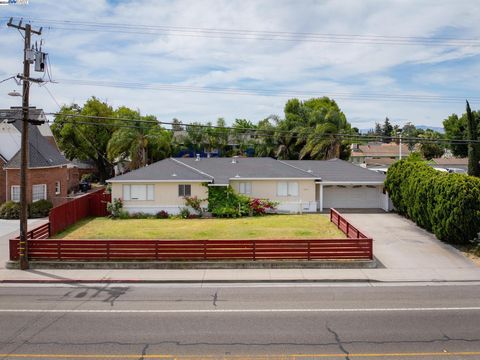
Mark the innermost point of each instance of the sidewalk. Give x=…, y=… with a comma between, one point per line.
x=243, y=275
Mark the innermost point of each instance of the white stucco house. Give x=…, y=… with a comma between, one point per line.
x=297, y=185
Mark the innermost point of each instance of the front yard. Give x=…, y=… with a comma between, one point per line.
x=311, y=226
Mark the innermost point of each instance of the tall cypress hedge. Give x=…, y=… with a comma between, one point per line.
x=446, y=204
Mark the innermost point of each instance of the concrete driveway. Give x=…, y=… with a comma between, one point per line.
x=9, y=229
x=400, y=244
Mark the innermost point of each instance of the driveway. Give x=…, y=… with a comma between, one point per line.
x=9, y=229
x=400, y=244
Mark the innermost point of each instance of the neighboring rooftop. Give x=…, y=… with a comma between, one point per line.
x=380, y=149
x=336, y=170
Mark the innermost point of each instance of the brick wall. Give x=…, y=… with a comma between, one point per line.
x=3, y=197
x=48, y=176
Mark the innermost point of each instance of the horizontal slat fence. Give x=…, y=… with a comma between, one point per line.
x=106, y=250
x=345, y=226
x=67, y=214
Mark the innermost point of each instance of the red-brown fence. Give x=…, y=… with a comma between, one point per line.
x=357, y=246
x=67, y=214
x=106, y=250
x=345, y=226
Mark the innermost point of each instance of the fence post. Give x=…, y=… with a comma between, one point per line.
x=204, y=249
x=59, y=251
x=108, y=250
x=308, y=250
x=156, y=249
x=254, y=250
x=348, y=228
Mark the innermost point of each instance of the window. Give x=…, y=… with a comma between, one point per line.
x=39, y=192
x=184, y=190
x=15, y=194
x=292, y=189
x=57, y=187
x=245, y=188
x=138, y=192
x=287, y=188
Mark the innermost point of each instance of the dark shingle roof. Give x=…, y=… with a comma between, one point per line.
x=41, y=152
x=223, y=169
x=163, y=170
x=337, y=170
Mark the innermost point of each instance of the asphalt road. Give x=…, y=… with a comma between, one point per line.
x=258, y=322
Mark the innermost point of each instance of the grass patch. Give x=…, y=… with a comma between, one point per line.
x=311, y=226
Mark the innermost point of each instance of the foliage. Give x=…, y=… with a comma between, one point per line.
x=141, y=215
x=90, y=177
x=10, y=210
x=262, y=206
x=195, y=203
x=224, y=202
x=78, y=135
x=473, y=148
x=429, y=148
x=184, y=213
x=162, y=214
x=115, y=208
x=40, y=208
x=445, y=204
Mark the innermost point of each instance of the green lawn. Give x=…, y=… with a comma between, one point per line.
x=266, y=227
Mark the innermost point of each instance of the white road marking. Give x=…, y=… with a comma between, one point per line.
x=223, y=311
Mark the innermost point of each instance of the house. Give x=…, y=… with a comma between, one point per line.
x=298, y=186
x=378, y=154
x=50, y=175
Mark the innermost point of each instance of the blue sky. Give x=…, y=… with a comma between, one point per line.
x=361, y=77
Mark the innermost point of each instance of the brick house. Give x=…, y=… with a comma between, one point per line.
x=50, y=175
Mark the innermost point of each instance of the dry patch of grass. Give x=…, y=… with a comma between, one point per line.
x=311, y=226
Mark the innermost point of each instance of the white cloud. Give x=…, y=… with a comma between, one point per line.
x=321, y=67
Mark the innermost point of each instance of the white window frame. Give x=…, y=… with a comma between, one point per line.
x=43, y=196
x=148, y=192
x=293, y=188
x=12, y=192
x=245, y=188
x=58, y=187
x=287, y=188
x=182, y=188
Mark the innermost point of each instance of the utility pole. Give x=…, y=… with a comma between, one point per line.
x=23, y=246
x=400, y=147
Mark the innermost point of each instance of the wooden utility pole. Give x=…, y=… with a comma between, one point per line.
x=23, y=245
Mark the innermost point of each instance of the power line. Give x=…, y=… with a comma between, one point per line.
x=242, y=34
x=261, y=132
x=414, y=98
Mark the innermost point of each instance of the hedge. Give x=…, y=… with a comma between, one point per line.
x=446, y=204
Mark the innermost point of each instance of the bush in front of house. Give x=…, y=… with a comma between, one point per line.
x=446, y=204
x=162, y=214
x=223, y=201
x=10, y=210
x=40, y=208
x=262, y=206
x=115, y=208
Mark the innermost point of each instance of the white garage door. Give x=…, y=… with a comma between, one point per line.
x=350, y=197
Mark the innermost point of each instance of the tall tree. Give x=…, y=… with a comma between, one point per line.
x=265, y=144
x=222, y=134
x=473, y=145
x=140, y=142
x=195, y=137
x=410, y=131
x=387, y=130
x=242, y=133
x=430, y=148
x=456, y=129
x=86, y=135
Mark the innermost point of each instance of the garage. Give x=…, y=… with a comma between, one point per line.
x=353, y=196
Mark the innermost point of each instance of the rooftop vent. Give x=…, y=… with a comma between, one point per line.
x=237, y=176
x=234, y=159
x=309, y=171
x=174, y=174
x=197, y=157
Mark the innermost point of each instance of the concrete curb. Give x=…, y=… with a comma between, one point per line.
x=145, y=265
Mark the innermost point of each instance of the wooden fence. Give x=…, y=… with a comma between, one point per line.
x=67, y=214
x=357, y=246
x=107, y=250
x=344, y=225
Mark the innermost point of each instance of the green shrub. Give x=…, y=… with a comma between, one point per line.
x=224, y=202
x=446, y=204
x=40, y=208
x=162, y=214
x=184, y=213
x=115, y=208
x=10, y=210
